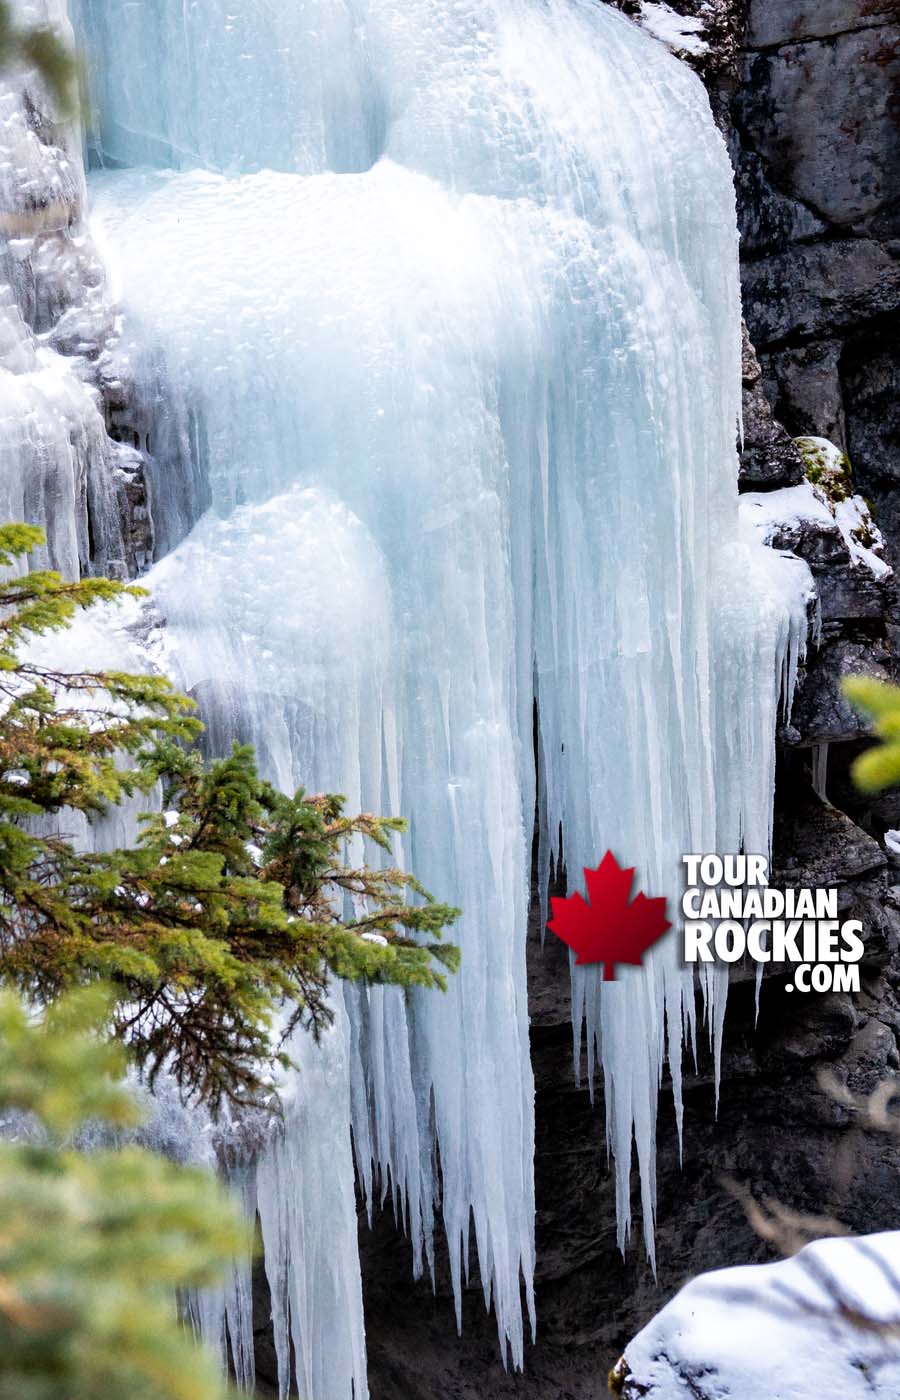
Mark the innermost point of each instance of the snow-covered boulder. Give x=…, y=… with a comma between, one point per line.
x=820, y=1326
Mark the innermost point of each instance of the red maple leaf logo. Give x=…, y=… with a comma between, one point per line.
x=609, y=929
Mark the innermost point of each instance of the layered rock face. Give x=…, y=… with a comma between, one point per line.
x=817, y=127
x=816, y=141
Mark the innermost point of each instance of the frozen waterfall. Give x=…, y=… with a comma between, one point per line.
x=434, y=313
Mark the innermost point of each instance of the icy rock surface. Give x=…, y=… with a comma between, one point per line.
x=51, y=440
x=759, y=1331
x=449, y=299
x=58, y=468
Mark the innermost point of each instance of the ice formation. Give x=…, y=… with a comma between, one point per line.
x=58, y=467
x=435, y=312
x=299, y=1183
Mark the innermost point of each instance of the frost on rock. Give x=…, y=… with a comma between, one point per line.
x=766, y=1330
x=826, y=465
x=454, y=379
x=51, y=438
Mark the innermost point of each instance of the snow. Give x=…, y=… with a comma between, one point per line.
x=892, y=841
x=768, y=512
x=759, y=1331
x=682, y=33
x=444, y=368
x=855, y=521
x=830, y=470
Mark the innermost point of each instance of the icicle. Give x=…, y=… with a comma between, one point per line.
x=282, y=619
x=223, y=1317
x=820, y=771
x=307, y=1213
x=297, y=1177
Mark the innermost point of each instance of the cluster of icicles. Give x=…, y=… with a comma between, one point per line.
x=431, y=314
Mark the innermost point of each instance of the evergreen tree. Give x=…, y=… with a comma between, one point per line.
x=236, y=901
x=94, y=1244
x=879, y=766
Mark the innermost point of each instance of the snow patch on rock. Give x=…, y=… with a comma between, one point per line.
x=683, y=34
x=783, y=1329
x=862, y=536
x=770, y=511
x=818, y=503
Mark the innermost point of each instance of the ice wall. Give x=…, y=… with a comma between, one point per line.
x=449, y=298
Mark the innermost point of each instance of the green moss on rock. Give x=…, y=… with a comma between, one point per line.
x=827, y=467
